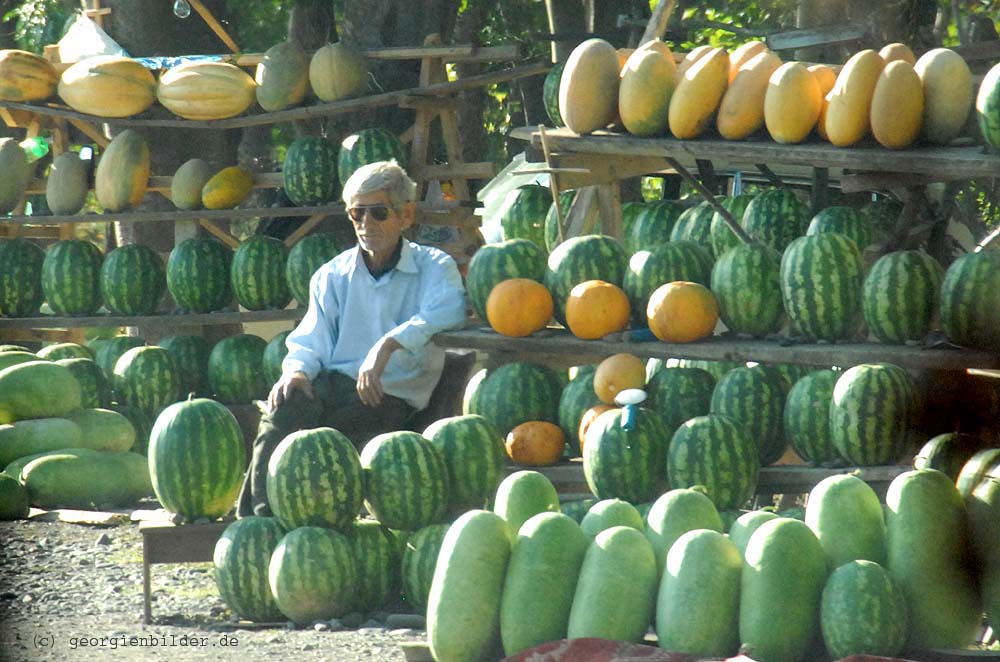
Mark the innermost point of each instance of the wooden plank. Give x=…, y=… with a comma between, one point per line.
x=303, y=229
x=804, y=38
x=74, y=335
x=185, y=543
x=89, y=130
x=578, y=170
x=91, y=517
x=881, y=181
x=554, y=342
x=61, y=322
x=214, y=24
x=460, y=170
x=457, y=216
x=219, y=233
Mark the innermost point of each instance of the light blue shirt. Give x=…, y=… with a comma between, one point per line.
x=349, y=310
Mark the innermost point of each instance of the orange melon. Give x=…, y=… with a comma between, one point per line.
x=848, y=113
x=741, y=112
x=596, y=308
x=647, y=83
x=792, y=104
x=617, y=373
x=518, y=307
x=897, y=106
x=681, y=311
x=697, y=96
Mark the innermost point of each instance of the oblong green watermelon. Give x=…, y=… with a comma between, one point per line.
x=241, y=558
x=20, y=278
x=71, y=277
x=310, y=171
x=821, y=286
x=133, y=280
x=257, y=273
x=900, y=296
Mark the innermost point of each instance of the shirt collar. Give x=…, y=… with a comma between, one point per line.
x=407, y=263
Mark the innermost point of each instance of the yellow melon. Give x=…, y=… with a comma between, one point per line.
x=826, y=76
x=847, y=115
x=792, y=104
x=897, y=106
x=897, y=51
x=617, y=373
x=206, y=90
x=647, y=83
x=588, y=90
x=338, y=71
x=743, y=54
x=122, y=173
x=698, y=94
x=948, y=94
x=108, y=85
x=741, y=112
x=25, y=76
x=690, y=58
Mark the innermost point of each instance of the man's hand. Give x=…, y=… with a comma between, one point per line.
x=370, y=373
x=288, y=384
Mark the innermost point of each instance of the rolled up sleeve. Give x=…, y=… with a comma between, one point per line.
x=442, y=307
x=315, y=336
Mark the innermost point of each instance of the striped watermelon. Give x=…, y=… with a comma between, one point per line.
x=241, y=558
x=236, y=369
x=64, y=350
x=108, y=352
x=314, y=479
x=578, y=508
x=970, y=300
x=577, y=397
x=368, y=146
x=630, y=213
x=847, y=221
x=715, y=368
x=473, y=451
x=870, y=412
x=863, y=611
x=146, y=378
x=716, y=452
x=746, y=281
x=492, y=263
x=515, y=393
x=552, y=219
x=722, y=237
x=406, y=480
x=133, y=280
x=983, y=464
x=95, y=390
x=71, y=277
x=807, y=417
x=664, y=263
x=789, y=373
x=754, y=399
x=142, y=423
x=419, y=559
x=196, y=458
x=949, y=452
x=988, y=107
x=883, y=213
x=305, y=257
x=523, y=212
x=821, y=286
x=776, y=217
x=626, y=464
x=695, y=224
x=653, y=225
x=377, y=564
x=550, y=94
x=309, y=171
x=198, y=275
x=679, y=394
x=257, y=273
x=588, y=257
x=20, y=278
x=900, y=296
x=190, y=354
x=313, y=575
x=274, y=354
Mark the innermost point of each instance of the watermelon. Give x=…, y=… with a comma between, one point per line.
x=626, y=464
x=368, y=146
x=377, y=565
x=305, y=257
x=949, y=452
x=133, y=280
x=314, y=479
x=664, y=263
x=970, y=300
x=550, y=94
x=821, y=286
x=473, y=451
x=109, y=351
x=695, y=224
x=406, y=480
x=870, y=413
x=577, y=397
x=754, y=399
x=190, y=354
x=7, y=359
x=95, y=390
x=65, y=350
x=241, y=558
x=715, y=452
x=807, y=417
x=313, y=575
x=13, y=499
x=775, y=217
x=846, y=515
x=847, y=221
x=722, y=237
x=746, y=281
x=746, y=524
x=675, y=513
x=522, y=495
x=20, y=278
x=274, y=354
x=883, y=213
x=874, y=625
x=900, y=296
x=235, y=369
x=142, y=423
x=537, y=387
x=607, y=513
x=198, y=275
x=492, y=263
x=552, y=218
x=257, y=273
x=146, y=378
x=196, y=459
x=419, y=558
x=653, y=225
x=523, y=212
x=71, y=277
x=589, y=257
x=679, y=394
x=988, y=107
x=976, y=469
x=309, y=171
x=578, y=508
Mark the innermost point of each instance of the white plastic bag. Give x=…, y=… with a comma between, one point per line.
x=84, y=39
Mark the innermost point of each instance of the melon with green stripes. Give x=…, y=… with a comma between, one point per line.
x=776, y=217
x=146, y=378
x=20, y=278
x=663, y=263
x=576, y=398
x=754, y=399
x=313, y=575
x=310, y=171
x=274, y=354
x=870, y=412
x=653, y=225
x=883, y=213
x=716, y=452
x=863, y=611
x=406, y=480
x=95, y=390
x=368, y=146
x=722, y=237
x=258, y=273
x=198, y=275
x=550, y=93
x=679, y=394
x=111, y=349
x=579, y=259
x=305, y=257
x=236, y=369
x=970, y=311
x=821, y=280
x=626, y=464
x=473, y=451
x=196, y=459
x=314, y=479
x=190, y=354
x=900, y=296
x=377, y=563
x=695, y=224
x=419, y=558
x=746, y=281
x=988, y=107
x=523, y=212
x=807, y=417
x=715, y=368
x=537, y=390
x=552, y=218
x=493, y=263
x=65, y=350
x=847, y=221
x=241, y=558
x=133, y=280
x=71, y=277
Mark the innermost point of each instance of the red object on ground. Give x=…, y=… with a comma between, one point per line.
x=591, y=649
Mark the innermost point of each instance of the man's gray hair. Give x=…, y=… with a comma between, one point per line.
x=386, y=176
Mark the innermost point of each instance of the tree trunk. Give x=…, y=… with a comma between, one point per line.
x=470, y=114
x=567, y=21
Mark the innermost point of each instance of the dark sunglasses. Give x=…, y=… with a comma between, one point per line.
x=377, y=212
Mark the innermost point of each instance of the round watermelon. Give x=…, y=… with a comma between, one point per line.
x=550, y=93
x=236, y=369
x=71, y=277
x=523, y=213
x=406, y=480
x=133, y=280
x=776, y=217
x=473, y=451
x=419, y=560
x=847, y=221
x=378, y=565
x=492, y=263
x=198, y=275
x=626, y=464
x=190, y=354
x=695, y=224
x=95, y=390
x=721, y=236
x=310, y=171
x=754, y=399
x=552, y=218
x=900, y=296
x=821, y=286
x=988, y=107
x=305, y=257
x=257, y=273
x=717, y=453
x=653, y=225
x=515, y=393
x=746, y=281
x=274, y=354
x=368, y=146
x=241, y=558
x=870, y=413
x=313, y=575
x=146, y=378
x=970, y=300
x=679, y=394
x=807, y=417
x=20, y=278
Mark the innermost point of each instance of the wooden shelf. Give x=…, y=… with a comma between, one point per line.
x=222, y=317
x=560, y=347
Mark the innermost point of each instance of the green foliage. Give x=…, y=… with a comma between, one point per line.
x=38, y=23
x=261, y=24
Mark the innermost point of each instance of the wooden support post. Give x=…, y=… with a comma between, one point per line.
x=706, y=171
x=214, y=24
x=553, y=187
x=303, y=229
x=733, y=224
x=219, y=233
x=820, y=195
x=771, y=176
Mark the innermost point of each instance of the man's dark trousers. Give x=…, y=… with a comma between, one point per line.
x=335, y=404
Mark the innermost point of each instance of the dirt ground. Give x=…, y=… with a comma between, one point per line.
x=74, y=592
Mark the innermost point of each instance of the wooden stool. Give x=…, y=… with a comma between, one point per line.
x=170, y=543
